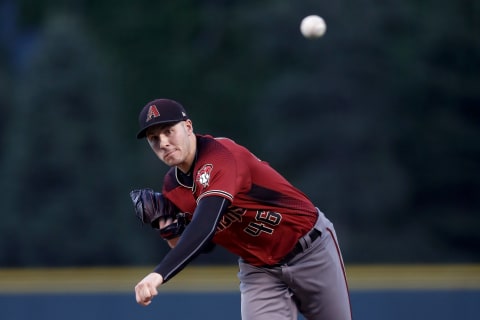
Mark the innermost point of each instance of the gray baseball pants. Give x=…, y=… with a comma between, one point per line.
x=312, y=283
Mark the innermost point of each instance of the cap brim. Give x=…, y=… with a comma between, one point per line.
x=143, y=133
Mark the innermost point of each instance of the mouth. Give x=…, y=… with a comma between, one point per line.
x=168, y=154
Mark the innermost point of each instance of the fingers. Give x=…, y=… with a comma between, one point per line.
x=165, y=222
x=146, y=289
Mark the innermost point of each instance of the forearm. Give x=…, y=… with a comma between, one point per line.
x=196, y=237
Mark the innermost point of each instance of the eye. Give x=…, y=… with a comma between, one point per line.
x=152, y=138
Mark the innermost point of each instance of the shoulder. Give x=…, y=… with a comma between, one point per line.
x=214, y=146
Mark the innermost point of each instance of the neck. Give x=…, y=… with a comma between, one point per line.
x=187, y=166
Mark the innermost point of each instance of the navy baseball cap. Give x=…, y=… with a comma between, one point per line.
x=160, y=111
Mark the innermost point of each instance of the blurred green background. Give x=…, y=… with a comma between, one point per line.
x=378, y=121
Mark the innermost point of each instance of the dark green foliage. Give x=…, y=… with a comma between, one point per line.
x=378, y=121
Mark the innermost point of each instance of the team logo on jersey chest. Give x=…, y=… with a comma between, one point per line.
x=203, y=175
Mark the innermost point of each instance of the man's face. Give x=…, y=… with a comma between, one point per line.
x=171, y=143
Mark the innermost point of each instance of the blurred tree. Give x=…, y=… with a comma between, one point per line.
x=348, y=125
x=5, y=69
x=62, y=172
x=4, y=99
x=377, y=121
x=440, y=112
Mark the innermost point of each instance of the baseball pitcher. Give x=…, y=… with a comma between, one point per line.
x=218, y=193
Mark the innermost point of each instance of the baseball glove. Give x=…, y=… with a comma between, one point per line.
x=150, y=206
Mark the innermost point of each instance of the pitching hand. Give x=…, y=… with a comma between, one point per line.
x=146, y=289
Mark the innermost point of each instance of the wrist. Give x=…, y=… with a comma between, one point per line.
x=172, y=242
x=158, y=278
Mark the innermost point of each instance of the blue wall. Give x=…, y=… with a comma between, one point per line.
x=378, y=292
x=367, y=305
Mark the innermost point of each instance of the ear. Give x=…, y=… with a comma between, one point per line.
x=189, y=125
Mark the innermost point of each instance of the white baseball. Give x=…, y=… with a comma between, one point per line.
x=313, y=26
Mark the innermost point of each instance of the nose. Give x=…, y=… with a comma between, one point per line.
x=162, y=140
x=158, y=141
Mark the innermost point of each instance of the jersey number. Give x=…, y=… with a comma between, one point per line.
x=264, y=221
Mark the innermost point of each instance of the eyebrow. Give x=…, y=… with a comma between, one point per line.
x=160, y=127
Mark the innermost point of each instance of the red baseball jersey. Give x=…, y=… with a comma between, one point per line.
x=267, y=215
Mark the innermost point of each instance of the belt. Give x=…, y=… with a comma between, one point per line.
x=301, y=246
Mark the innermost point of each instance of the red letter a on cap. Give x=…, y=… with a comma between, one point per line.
x=152, y=112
